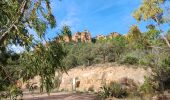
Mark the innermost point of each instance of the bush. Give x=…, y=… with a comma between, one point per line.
x=143, y=62
x=147, y=87
x=112, y=90
x=15, y=92
x=130, y=60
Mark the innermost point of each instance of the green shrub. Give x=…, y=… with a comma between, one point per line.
x=147, y=87
x=112, y=90
x=15, y=92
x=143, y=62
x=166, y=63
x=130, y=60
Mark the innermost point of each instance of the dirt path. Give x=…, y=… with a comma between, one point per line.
x=60, y=96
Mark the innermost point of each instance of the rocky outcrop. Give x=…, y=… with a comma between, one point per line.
x=110, y=36
x=92, y=78
x=64, y=38
x=100, y=37
x=114, y=35
x=84, y=36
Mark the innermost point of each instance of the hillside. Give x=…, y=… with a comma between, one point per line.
x=93, y=77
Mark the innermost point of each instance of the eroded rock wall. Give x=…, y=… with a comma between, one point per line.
x=94, y=77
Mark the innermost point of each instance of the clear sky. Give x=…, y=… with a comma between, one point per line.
x=98, y=16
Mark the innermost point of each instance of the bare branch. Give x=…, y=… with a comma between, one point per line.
x=166, y=40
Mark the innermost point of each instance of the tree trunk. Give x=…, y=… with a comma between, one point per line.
x=166, y=40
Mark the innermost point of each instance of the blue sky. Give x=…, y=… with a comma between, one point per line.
x=98, y=16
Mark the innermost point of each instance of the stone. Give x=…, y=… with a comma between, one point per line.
x=105, y=73
x=84, y=36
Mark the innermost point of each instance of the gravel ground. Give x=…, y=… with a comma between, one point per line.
x=60, y=96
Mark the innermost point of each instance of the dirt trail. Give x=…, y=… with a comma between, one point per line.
x=60, y=96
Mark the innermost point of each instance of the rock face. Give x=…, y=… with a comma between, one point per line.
x=110, y=36
x=84, y=36
x=66, y=38
x=63, y=39
x=93, y=77
x=100, y=37
x=114, y=35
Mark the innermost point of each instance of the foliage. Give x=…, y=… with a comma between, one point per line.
x=134, y=34
x=166, y=63
x=66, y=31
x=154, y=10
x=65, y=34
x=134, y=37
x=15, y=92
x=93, y=53
x=17, y=16
x=130, y=60
x=151, y=37
x=112, y=90
x=43, y=62
x=149, y=9
x=105, y=50
x=8, y=68
x=147, y=87
x=87, y=58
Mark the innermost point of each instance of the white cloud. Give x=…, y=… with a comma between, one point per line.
x=102, y=8
x=71, y=19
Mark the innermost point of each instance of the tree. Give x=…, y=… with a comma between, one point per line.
x=105, y=51
x=149, y=9
x=152, y=10
x=43, y=62
x=87, y=54
x=151, y=37
x=9, y=70
x=66, y=31
x=17, y=16
x=134, y=37
x=65, y=34
x=71, y=59
x=119, y=46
